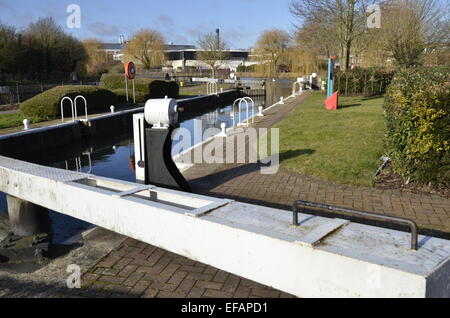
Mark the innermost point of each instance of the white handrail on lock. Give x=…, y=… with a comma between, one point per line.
x=62, y=108
x=300, y=89
x=239, y=102
x=212, y=88
x=85, y=106
x=250, y=100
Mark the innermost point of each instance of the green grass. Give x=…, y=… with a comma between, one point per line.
x=11, y=120
x=15, y=120
x=341, y=146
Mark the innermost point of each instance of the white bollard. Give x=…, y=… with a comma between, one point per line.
x=26, y=123
x=166, y=97
x=223, y=126
x=282, y=100
x=221, y=90
x=260, y=114
x=113, y=109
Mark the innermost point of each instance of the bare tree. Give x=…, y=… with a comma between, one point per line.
x=343, y=19
x=213, y=51
x=97, y=57
x=413, y=28
x=317, y=38
x=271, y=47
x=147, y=47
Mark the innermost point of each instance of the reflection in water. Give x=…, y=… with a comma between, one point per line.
x=113, y=156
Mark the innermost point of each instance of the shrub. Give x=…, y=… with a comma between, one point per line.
x=418, y=119
x=160, y=89
x=46, y=106
x=143, y=86
x=363, y=81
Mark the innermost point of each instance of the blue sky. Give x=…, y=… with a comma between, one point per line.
x=180, y=21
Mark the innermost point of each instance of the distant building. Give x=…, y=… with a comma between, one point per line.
x=187, y=58
x=116, y=49
x=180, y=57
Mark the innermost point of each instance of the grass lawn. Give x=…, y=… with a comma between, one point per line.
x=342, y=146
x=11, y=120
x=15, y=120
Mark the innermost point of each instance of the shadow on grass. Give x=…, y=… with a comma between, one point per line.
x=295, y=153
x=349, y=105
x=373, y=97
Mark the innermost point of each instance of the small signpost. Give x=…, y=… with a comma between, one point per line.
x=332, y=97
x=330, y=87
x=130, y=74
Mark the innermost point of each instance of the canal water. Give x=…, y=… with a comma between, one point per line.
x=112, y=157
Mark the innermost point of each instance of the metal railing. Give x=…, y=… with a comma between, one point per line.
x=85, y=106
x=212, y=88
x=248, y=101
x=74, y=107
x=361, y=214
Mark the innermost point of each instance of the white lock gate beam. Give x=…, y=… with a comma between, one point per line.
x=320, y=258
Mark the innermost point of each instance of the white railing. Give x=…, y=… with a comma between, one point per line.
x=71, y=105
x=85, y=106
x=212, y=88
x=248, y=102
x=74, y=107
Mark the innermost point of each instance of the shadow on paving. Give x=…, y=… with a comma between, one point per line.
x=216, y=179
x=14, y=288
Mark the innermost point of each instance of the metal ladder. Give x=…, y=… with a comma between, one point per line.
x=74, y=107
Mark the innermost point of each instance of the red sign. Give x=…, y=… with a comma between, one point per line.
x=130, y=70
x=332, y=102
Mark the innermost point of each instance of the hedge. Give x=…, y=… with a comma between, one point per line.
x=418, y=119
x=47, y=105
x=363, y=81
x=160, y=89
x=144, y=86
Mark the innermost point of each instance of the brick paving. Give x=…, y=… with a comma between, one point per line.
x=140, y=270
x=136, y=269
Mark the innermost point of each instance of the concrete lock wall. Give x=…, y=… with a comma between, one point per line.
x=19, y=144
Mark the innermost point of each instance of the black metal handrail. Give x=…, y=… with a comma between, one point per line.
x=365, y=215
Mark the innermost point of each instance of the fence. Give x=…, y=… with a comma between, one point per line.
x=18, y=93
x=365, y=82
